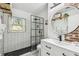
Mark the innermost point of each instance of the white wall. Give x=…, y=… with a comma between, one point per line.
x=14, y=41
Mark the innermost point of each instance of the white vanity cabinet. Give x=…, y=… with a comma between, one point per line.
x=50, y=49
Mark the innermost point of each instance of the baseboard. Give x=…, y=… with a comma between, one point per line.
x=20, y=51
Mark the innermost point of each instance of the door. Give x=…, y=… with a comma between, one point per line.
x=37, y=30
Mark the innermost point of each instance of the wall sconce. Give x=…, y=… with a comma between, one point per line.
x=73, y=4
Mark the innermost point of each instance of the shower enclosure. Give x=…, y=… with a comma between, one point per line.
x=37, y=31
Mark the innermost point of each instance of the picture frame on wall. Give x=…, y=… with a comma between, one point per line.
x=16, y=24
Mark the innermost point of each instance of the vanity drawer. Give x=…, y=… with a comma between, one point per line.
x=47, y=46
x=59, y=51
x=53, y=49
x=66, y=53
x=46, y=53
x=76, y=54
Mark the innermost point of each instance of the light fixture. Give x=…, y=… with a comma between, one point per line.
x=72, y=4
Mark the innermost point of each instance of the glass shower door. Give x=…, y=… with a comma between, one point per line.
x=37, y=30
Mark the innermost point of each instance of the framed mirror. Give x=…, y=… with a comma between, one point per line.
x=65, y=21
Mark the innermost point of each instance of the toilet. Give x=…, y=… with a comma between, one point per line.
x=39, y=49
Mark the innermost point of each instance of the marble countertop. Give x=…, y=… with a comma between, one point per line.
x=63, y=44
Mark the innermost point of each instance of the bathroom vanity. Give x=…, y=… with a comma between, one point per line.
x=62, y=20
x=51, y=47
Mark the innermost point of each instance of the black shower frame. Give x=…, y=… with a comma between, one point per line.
x=34, y=46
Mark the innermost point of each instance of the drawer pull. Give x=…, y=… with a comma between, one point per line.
x=63, y=54
x=48, y=47
x=47, y=53
x=76, y=55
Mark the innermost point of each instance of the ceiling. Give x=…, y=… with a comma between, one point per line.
x=30, y=7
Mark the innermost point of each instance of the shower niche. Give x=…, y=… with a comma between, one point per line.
x=37, y=30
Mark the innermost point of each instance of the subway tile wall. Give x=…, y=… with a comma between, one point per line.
x=14, y=41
